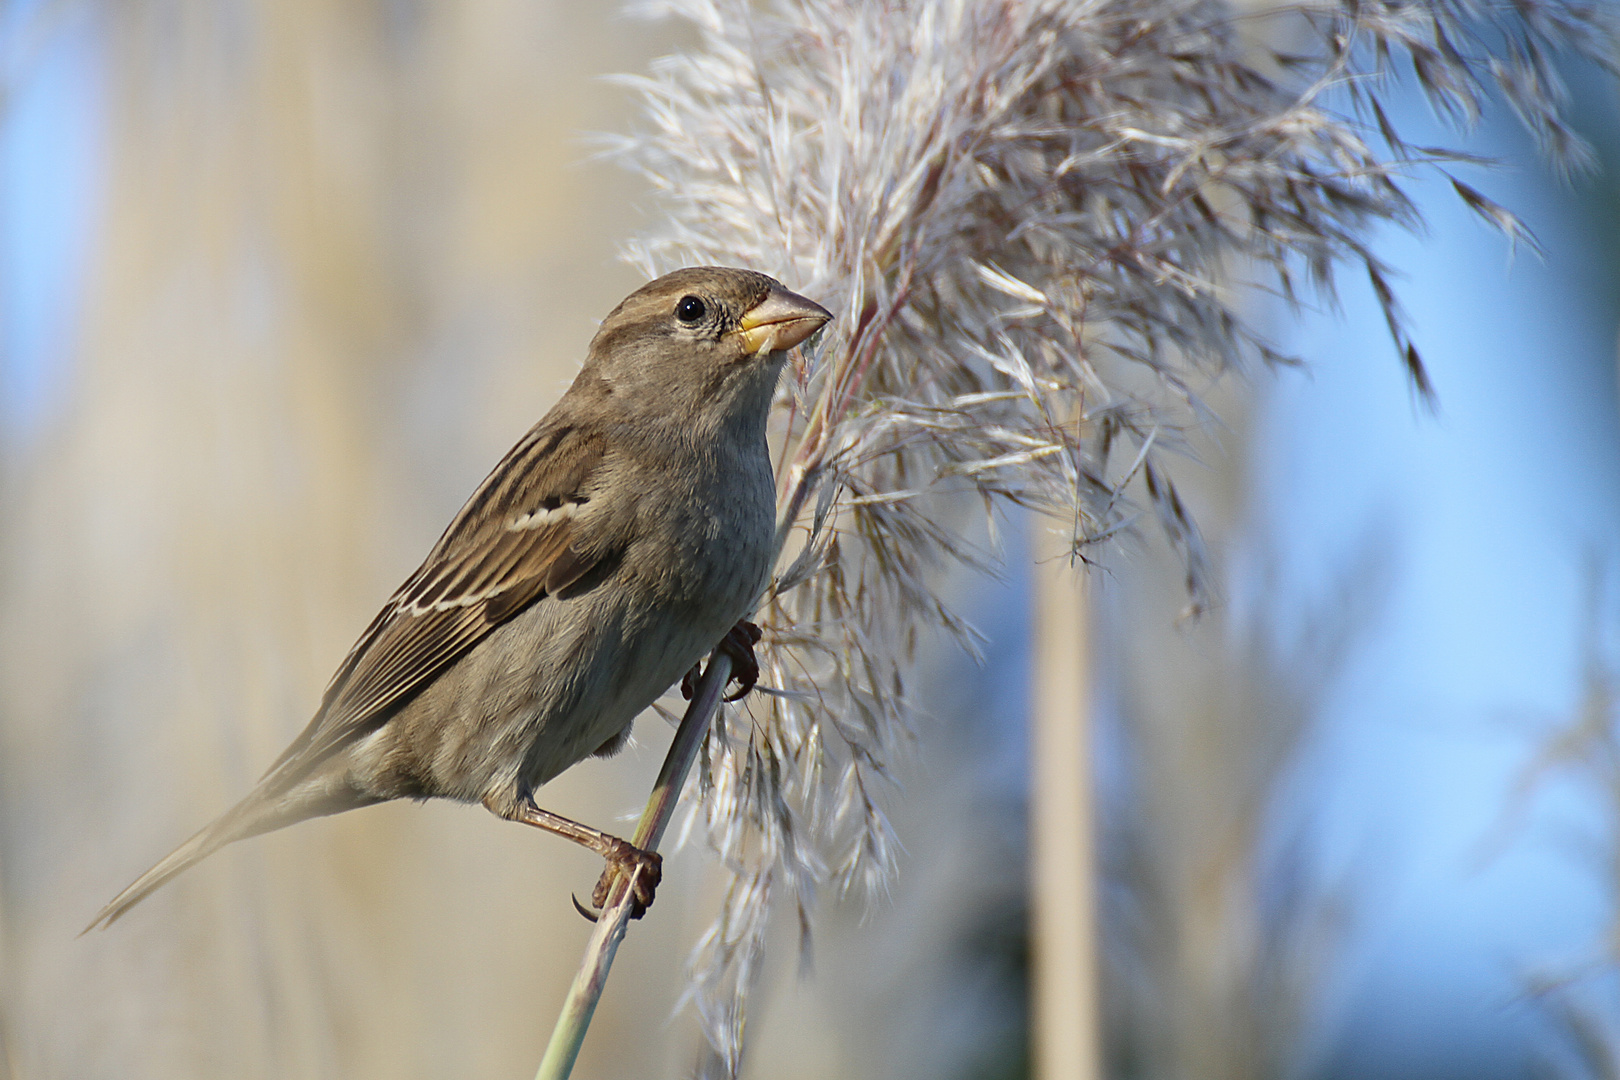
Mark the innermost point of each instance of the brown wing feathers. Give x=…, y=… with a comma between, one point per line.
x=516, y=540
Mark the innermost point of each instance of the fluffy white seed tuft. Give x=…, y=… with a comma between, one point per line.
x=1041, y=225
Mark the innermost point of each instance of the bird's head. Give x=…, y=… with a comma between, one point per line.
x=703, y=344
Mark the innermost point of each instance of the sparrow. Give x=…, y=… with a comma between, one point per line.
x=623, y=538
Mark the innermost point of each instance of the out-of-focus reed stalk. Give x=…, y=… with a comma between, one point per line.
x=1580, y=1001
x=1038, y=222
x=1064, y=1029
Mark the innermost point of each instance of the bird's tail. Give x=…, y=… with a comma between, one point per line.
x=269, y=806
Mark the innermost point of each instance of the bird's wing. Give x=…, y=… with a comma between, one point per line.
x=517, y=539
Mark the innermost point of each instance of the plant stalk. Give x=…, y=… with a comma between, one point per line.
x=586, y=991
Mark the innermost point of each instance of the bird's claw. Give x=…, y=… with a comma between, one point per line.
x=626, y=859
x=738, y=644
x=591, y=914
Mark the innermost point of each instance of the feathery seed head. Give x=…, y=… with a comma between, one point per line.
x=1040, y=224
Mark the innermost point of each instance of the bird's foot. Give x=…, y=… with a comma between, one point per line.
x=738, y=644
x=643, y=869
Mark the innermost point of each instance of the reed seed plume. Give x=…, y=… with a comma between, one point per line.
x=1042, y=226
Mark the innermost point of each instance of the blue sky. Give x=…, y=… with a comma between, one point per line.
x=1486, y=517
x=49, y=168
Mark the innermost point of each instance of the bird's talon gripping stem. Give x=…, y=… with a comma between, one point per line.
x=622, y=857
x=738, y=644
x=591, y=914
x=626, y=859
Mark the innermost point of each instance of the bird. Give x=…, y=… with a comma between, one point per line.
x=625, y=536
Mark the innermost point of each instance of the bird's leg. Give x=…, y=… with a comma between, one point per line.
x=622, y=856
x=738, y=644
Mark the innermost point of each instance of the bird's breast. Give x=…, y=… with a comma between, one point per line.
x=719, y=530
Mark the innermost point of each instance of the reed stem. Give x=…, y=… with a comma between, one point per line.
x=586, y=991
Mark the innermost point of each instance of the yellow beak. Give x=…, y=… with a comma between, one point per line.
x=780, y=321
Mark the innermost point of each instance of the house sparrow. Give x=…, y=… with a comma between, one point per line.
x=609, y=550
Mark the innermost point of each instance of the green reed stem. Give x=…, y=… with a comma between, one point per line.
x=580, y=1005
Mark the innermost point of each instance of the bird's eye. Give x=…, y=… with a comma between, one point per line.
x=690, y=309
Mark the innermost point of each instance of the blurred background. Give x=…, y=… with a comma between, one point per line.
x=279, y=281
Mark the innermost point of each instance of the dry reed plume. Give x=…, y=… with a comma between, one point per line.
x=1040, y=225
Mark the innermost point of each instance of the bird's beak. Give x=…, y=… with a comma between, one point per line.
x=780, y=321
